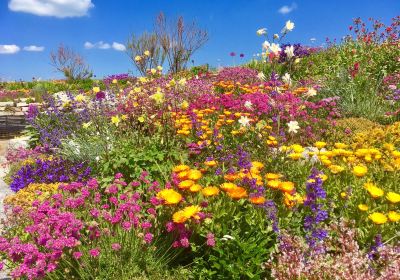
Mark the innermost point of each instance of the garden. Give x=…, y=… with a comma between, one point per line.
x=284, y=167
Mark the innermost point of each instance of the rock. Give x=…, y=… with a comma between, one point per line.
x=8, y=103
x=22, y=104
x=18, y=142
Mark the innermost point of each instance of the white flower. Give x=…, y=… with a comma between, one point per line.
x=266, y=45
x=97, y=158
x=275, y=48
x=286, y=78
x=289, y=51
x=226, y=237
x=311, y=92
x=248, y=105
x=262, y=31
x=289, y=26
x=293, y=126
x=261, y=76
x=314, y=157
x=244, y=121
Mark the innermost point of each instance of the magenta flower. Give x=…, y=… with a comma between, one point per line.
x=77, y=255
x=232, y=54
x=94, y=252
x=148, y=237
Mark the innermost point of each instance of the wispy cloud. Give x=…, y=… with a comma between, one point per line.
x=33, y=48
x=9, y=49
x=284, y=10
x=99, y=45
x=55, y=8
x=104, y=46
x=118, y=46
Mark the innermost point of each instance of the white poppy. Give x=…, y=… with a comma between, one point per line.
x=262, y=31
x=289, y=51
x=293, y=126
x=244, y=121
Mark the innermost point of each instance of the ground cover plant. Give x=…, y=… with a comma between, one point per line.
x=287, y=167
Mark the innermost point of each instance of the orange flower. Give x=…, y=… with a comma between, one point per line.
x=230, y=177
x=257, y=199
x=237, y=193
x=272, y=176
x=169, y=196
x=210, y=163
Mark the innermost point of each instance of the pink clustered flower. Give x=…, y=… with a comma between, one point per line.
x=58, y=224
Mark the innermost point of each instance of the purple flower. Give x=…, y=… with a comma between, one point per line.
x=210, y=239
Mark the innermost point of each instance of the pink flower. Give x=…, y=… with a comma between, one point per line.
x=118, y=176
x=116, y=246
x=148, y=237
x=126, y=226
x=185, y=242
x=94, y=252
x=77, y=255
x=146, y=225
x=210, y=240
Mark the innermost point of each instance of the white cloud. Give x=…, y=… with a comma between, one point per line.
x=33, y=48
x=118, y=47
x=9, y=49
x=98, y=45
x=287, y=9
x=104, y=46
x=55, y=8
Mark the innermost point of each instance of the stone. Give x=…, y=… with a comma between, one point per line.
x=22, y=104
x=8, y=103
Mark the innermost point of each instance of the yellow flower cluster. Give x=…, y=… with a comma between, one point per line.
x=26, y=196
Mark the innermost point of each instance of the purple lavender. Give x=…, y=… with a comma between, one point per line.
x=49, y=171
x=314, y=203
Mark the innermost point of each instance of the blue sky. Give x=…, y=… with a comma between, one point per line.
x=41, y=25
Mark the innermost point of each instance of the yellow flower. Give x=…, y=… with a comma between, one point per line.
x=228, y=186
x=159, y=68
x=340, y=146
x=146, y=53
x=272, y=176
x=86, y=125
x=363, y=207
x=158, y=97
x=360, y=170
x=115, y=120
x=153, y=71
x=393, y=216
x=184, y=105
x=373, y=190
x=195, y=188
x=96, y=89
x=80, y=98
x=185, y=184
x=194, y=174
x=378, y=218
x=210, y=191
x=319, y=144
x=169, y=196
x=210, y=163
x=180, y=168
x=138, y=58
x=257, y=164
x=114, y=81
x=141, y=119
x=335, y=169
x=295, y=156
x=274, y=184
x=286, y=187
x=179, y=217
x=191, y=211
x=393, y=197
x=343, y=195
